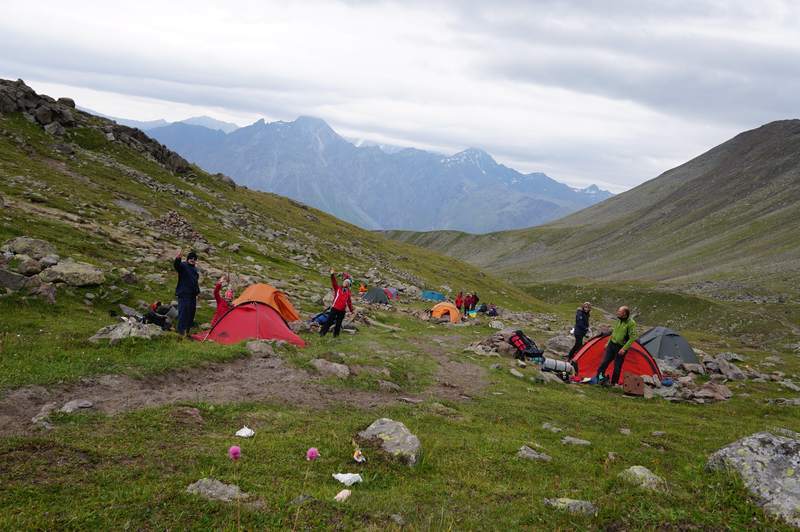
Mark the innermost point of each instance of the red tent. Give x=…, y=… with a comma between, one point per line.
x=251, y=321
x=637, y=360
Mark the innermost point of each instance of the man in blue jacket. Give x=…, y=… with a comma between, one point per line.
x=581, y=328
x=187, y=290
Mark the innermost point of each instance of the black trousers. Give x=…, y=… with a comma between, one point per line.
x=335, y=318
x=187, y=306
x=576, y=347
x=612, y=353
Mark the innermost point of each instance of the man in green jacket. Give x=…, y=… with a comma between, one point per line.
x=622, y=336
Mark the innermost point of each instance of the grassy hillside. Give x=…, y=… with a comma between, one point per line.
x=165, y=410
x=728, y=214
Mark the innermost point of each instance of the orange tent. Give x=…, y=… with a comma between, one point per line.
x=448, y=308
x=269, y=295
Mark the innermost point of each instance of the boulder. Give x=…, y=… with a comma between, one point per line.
x=644, y=478
x=495, y=324
x=769, y=465
x=516, y=373
x=551, y=427
x=32, y=247
x=260, y=348
x=572, y=506
x=392, y=437
x=67, y=102
x=331, y=369
x=26, y=265
x=730, y=370
x=12, y=280
x=569, y=440
x=690, y=367
x=126, y=329
x=529, y=454
x=76, y=404
x=214, y=490
x=73, y=273
x=560, y=344
x=49, y=260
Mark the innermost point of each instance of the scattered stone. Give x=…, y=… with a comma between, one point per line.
x=388, y=386
x=44, y=413
x=658, y=433
x=73, y=273
x=690, y=367
x=394, y=438
x=560, y=344
x=784, y=402
x=176, y=225
x=127, y=329
x=214, y=490
x=188, y=416
x=26, y=265
x=551, y=427
x=411, y=400
x=529, y=454
x=730, y=357
x=572, y=506
x=32, y=247
x=790, y=385
x=46, y=291
x=494, y=324
x=626, y=431
x=331, y=369
x=260, y=348
x=76, y=404
x=644, y=478
x=612, y=456
x=769, y=465
x=12, y=280
x=517, y=373
x=730, y=370
x=569, y=440
x=397, y=519
x=496, y=366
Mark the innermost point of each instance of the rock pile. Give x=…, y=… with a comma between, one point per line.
x=495, y=345
x=176, y=225
x=128, y=328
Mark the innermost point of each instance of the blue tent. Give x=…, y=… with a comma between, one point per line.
x=430, y=295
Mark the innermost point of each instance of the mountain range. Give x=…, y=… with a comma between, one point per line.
x=374, y=186
x=147, y=125
x=729, y=214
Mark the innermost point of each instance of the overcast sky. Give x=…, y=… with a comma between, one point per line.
x=612, y=93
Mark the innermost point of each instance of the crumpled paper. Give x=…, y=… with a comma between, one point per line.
x=245, y=432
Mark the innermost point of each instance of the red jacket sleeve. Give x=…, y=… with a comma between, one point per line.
x=333, y=282
x=217, y=288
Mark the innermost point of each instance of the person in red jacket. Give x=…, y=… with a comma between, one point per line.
x=467, y=303
x=460, y=301
x=341, y=302
x=224, y=303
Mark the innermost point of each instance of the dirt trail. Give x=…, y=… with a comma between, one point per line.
x=248, y=379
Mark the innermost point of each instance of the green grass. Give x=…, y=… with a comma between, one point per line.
x=131, y=470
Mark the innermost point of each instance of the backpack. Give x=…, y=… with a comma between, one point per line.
x=526, y=348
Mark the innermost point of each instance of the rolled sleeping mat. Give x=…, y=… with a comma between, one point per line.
x=561, y=366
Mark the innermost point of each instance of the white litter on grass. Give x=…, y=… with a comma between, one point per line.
x=245, y=432
x=348, y=479
x=342, y=495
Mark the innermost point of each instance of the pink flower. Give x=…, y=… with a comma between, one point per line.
x=312, y=454
x=234, y=453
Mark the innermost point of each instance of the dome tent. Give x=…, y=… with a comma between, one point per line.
x=251, y=321
x=637, y=360
x=376, y=295
x=269, y=295
x=447, y=308
x=666, y=344
x=431, y=295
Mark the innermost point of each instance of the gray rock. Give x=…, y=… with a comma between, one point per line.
x=690, y=367
x=560, y=344
x=529, y=454
x=658, y=433
x=68, y=102
x=394, y=438
x=780, y=401
x=769, y=465
x=626, y=431
x=569, y=440
x=551, y=427
x=496, y=366
x=398, y=519
x=44, y=413
x=214, y=490
x=126, y=329
x=731, y=357
x=76, y=404
x=54, y=128
x=573, y=506
x=388, y=386
x=260, y=348
x=32, y=247
x=515, y=372
x=331, y=369
x=730, y=370
x=73, y=273
x=26, y=265
x=49, y=260
x=12, y=280
x=790, y=385
x=494, y=324
x=644, y=478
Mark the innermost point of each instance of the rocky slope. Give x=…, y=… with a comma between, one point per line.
x=727, y=217
x=378, y=188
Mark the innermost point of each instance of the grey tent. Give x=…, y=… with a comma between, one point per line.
x=665, y=344
x=376, y=295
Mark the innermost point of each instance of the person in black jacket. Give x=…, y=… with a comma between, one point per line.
x=581, y=327
x=186, y=291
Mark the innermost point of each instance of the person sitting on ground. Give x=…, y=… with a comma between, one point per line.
x=492, y=310
x=362, y=288
x=186, y=291
x=341, y=302
x=158, y=314
x=581, y=328
x=460, y=302
x=482, y=308
x=224, y=302
x=622, y=336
